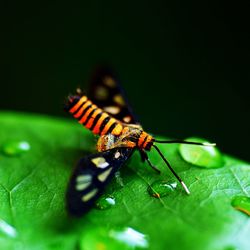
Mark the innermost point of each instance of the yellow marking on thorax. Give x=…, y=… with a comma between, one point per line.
x=117, y=130
x=130, y=144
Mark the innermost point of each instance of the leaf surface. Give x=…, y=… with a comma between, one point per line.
x=33, y=185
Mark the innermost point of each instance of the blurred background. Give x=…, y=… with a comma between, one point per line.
x=184, y=65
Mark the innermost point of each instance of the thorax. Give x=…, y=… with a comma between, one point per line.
x=131, y=136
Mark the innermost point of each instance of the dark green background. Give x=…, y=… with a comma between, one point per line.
x=184, y=66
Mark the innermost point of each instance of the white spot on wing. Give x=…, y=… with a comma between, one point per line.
x=101, y=93
x=82, y=186
x=84, y=178
x=100, y=162
x=127, y=119
x=82, y=182
x=89, y=195
x=112, y=109
x=109, y=81
x=103, y=176
x=119, y=99
x=117, y=154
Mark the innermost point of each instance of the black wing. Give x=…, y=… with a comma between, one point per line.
x=90, y=177
x=106, y=93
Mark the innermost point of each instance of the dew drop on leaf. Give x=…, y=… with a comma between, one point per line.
x=15, y=148
x=130, y=237
x=242, y=203
x=201, y=156
x=105, y=202
x=7, y=229
x=125, y=238
x=160, y=189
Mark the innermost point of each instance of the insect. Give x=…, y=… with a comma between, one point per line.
x=107, y=114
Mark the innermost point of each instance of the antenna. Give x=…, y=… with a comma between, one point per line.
x=187, y=142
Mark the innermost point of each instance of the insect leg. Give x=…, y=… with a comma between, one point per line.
x=144, y=157
x=172, y=170
x=142, y=153
x=119, y=179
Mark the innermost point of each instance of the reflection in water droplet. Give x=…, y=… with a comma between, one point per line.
x=99, y=238
x=242, y=203
x=162, y=188
x=105, y=202
x=130, y=237
x=201, y=156
x=7, y=229
x=14, y=148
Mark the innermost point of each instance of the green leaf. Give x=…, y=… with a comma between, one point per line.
x=33, y=185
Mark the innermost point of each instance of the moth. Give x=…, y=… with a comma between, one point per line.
x=106, y=113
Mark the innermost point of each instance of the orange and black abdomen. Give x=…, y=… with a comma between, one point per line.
x=92, y=117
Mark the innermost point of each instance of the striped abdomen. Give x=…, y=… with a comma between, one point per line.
x=92, y=117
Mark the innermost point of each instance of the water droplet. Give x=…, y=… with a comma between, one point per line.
x=242, y=203
x=130, y=237
x=112, y=239
x=202, y=156
x=162, y=188
x=105, y=202
x=14, y=148
x=7, y=229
